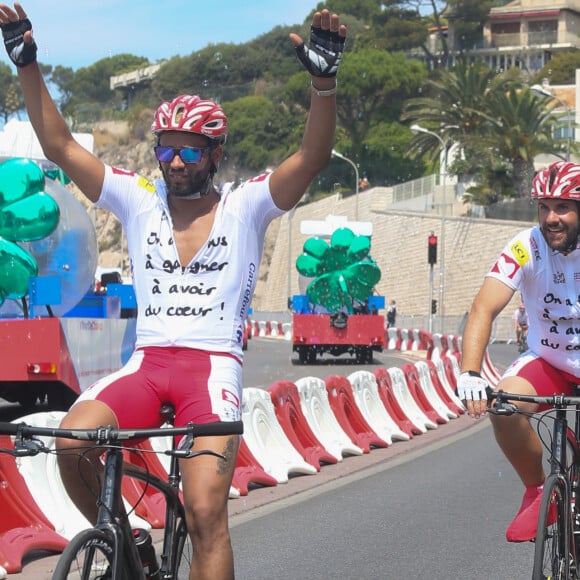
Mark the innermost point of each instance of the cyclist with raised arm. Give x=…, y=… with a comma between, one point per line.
x=194, y=258
x=543, y=263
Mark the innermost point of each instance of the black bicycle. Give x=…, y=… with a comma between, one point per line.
x=557, y=543
x=112, y=550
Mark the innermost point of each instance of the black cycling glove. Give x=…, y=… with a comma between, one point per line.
x=19, y=52
x=325, y=53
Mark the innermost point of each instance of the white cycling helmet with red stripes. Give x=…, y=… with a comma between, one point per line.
x=191, y=114
x=560, y=180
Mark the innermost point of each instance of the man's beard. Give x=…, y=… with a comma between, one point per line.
x=194, y=186
x=568, y=242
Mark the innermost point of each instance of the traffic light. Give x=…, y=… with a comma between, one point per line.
x=432, y=249
x=433, y=306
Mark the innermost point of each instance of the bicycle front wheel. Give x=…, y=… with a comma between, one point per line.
x=88, y=556
x=182, y=552
x=552, y=554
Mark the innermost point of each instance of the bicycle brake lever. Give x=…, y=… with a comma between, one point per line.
x=184, y=450
x=28, y=447
x=505, y=409
x=188, y=454
x=500, y=405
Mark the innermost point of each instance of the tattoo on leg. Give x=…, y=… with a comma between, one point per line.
x=228, y=453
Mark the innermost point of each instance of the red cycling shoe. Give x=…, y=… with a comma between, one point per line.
x=524, y=526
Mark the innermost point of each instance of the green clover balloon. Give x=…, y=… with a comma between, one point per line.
x=344, y=271
x=27, y=213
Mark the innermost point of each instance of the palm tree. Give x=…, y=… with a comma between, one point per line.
x=451, y=109
x=499, y=124
x=520, y=125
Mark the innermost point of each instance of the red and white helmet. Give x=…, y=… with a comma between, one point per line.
x=561, y=180
x=191, y=114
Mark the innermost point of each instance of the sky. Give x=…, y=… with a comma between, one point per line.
x=78, y=33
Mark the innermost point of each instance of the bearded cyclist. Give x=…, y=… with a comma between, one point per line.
x=543, y=263
x=194, y=257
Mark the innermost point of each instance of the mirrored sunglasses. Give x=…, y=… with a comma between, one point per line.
x=186, y=154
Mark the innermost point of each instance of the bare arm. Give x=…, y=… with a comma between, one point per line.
x=491, y=299
x=53, y=133
x=290, y=180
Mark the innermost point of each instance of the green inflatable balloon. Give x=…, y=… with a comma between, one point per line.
x=344, y=269
x=16, y=267
x=335, y=259
x=44, y=231
x=31, y=218
x=308, y=265
x=367, y=273
x=359, y=248
x=19, y=178
x=316, y=247
x=361, y=279
x=69, y=252
x=342, y=238
x=328, y=290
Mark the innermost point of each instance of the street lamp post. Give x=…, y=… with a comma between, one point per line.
x=543, y=91
x=340, y=156
x=418, y=129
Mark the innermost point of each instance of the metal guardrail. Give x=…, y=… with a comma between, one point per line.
x=415, y=188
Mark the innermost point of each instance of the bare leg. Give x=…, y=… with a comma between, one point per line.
x=206, y=486
x=516, y=437
x=82, y=476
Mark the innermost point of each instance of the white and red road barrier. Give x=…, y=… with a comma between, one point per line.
x=290, y=428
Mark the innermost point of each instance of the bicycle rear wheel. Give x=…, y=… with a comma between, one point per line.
x=88, y=556
x=552, y=554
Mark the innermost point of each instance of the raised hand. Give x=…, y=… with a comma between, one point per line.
x=17, y=34
x=327, y=38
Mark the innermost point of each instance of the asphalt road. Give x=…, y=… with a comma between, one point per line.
x=437, y=512
x=433, y=508
x=268, y=360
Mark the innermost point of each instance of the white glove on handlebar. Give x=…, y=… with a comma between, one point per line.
x=471, y=387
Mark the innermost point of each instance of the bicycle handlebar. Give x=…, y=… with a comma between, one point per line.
x=504, y=406
x=110, y=435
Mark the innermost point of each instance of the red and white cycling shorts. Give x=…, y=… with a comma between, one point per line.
x=202, y=386
x=546, y=379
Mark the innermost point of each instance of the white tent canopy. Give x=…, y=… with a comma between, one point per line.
x=18, y=140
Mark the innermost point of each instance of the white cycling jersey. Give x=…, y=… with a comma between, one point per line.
x=549, y=282
x=202, y=304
